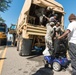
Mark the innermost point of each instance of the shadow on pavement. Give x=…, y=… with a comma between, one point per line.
x=2, y=58
x=33, y=55
x=44, y=71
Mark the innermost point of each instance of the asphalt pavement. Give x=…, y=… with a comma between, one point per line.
x=14, y=64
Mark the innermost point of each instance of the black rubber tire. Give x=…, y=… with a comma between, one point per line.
x=20, y=53
x=26, y=46
x=18, y=46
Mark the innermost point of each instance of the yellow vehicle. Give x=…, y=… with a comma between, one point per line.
x=29, y=30
x=3, y=32
x=12, y=30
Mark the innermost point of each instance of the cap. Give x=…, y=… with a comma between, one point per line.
x=72, y=17
x=48, y=8
x=58, y=23
x=55, y=15
x=52, y=23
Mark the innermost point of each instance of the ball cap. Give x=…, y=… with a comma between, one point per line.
x=48, y=8
x=58, y=23
x=55, y=15
x=52, y=23
x=72, y=17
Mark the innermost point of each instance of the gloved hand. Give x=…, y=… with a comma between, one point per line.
x=43, y=15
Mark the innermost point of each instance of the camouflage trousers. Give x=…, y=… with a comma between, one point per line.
x=50, y=46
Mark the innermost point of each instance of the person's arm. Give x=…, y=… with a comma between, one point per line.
x=46, y=17
x=65, y=34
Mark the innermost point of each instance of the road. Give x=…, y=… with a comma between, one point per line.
x=13, y=64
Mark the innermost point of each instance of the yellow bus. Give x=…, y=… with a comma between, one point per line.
x=3, y=34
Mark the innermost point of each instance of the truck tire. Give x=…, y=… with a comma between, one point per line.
x=15, y=43
x=26, y=47
x=17, y=46
x=19, y=49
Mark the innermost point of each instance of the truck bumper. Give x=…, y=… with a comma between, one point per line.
x=3, y=41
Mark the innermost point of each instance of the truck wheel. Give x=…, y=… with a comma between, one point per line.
x=19, y=47
x=20, y=50
x=20, y=53
x=26, y=46
x=56, y=66
x=15, y=44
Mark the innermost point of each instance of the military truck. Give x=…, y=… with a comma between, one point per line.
x=29, y=29
x=12, y=30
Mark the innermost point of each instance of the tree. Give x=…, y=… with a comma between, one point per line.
x=2, y=20
x=4, y=4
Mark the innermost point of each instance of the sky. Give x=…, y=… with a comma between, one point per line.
x=69, y=7
x=11, y=15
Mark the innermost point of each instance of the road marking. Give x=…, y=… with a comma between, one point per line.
x=1, y=61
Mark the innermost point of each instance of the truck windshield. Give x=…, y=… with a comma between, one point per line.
x=13, y=27
x=2, y=28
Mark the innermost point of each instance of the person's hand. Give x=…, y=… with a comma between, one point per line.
x=43, y=15
x=58, y=37
x=54, y=38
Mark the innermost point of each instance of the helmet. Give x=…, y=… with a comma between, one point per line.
x=52, y=23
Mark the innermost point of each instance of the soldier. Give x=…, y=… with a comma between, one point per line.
x=48, y=39
x=52, y=19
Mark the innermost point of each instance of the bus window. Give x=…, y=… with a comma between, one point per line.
x=2, y=27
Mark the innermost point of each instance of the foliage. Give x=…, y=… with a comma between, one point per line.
x=2, y=20
x=4, y=4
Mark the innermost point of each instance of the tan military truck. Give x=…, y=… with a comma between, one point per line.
x=30, y=28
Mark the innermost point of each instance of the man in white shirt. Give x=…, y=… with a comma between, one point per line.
x=71, y=32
